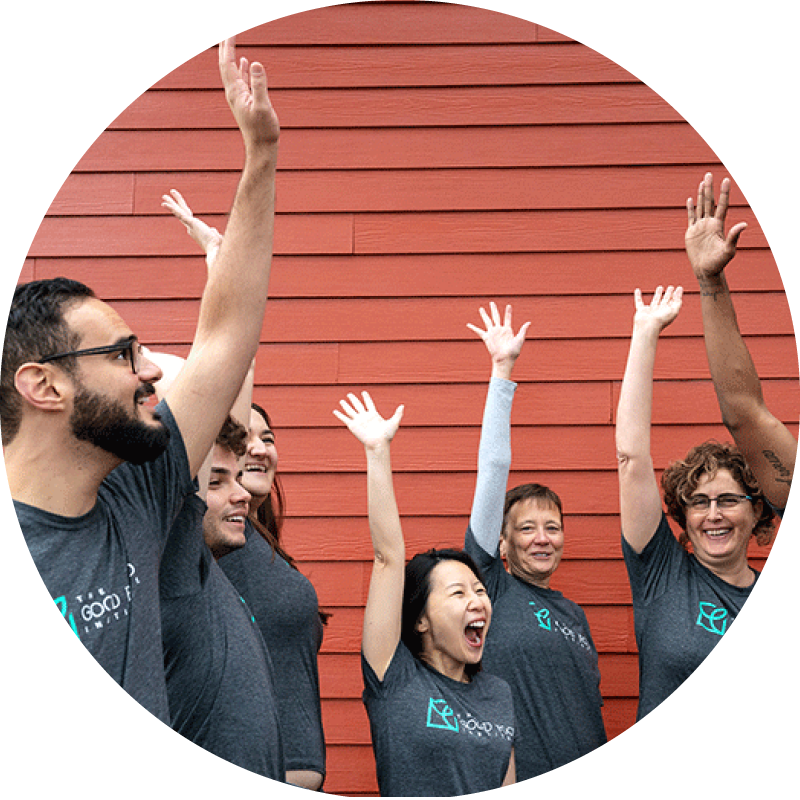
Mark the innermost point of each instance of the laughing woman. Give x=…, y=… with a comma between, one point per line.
x=440, y=726
x=686, y=591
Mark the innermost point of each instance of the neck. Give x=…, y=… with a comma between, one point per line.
x=56, y=473
x=449, y=667
x=736, y=572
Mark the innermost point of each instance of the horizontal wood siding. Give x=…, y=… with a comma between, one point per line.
x=432, y=158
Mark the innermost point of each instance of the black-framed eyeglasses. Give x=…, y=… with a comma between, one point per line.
x=130, y=347
x=727, y=501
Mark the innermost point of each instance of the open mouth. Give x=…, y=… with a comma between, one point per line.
x=237, y=520
x=257, y=468
x=474, y=633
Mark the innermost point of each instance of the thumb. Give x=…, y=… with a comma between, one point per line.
x=258, y=83
x=734, y=233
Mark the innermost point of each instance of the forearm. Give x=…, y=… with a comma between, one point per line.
x=384, y=516
x=640, y=501
x=635, y=407
x=732, y=370
x=494, y=464
x=236, y=292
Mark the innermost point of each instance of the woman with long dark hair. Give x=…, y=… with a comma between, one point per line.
x=440, y=726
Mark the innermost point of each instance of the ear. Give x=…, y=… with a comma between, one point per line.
x=503, y=547
x=422, y=626
x=43, y=387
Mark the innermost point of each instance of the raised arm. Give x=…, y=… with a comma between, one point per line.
x=640, y=500
x=383, y=614
x=232, y=308
x=494, y=453
x=766, y=443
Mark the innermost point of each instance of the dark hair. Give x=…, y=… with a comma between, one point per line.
x=417, y=589
x=36, y=328
x=270, y=515
x=232, y=436
x=530, y=491
x=680, y=479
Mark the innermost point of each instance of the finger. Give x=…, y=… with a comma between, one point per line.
x=692, y=213
x=368, y=404
x=708, y=195
x=637, y=298
x=477, y=330
x=507, y=319
x=734, y=233
x=657, y=296
x=523, y=330
x=495, y=313
x=258, y=84
x=485, y=317
x=227, y=61
x=339, y=415
x=355, y=403
x=700, y=199
x=398, y=415
x=724, y=199
x=348, y=409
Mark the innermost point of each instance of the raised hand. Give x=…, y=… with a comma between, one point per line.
x=246, y=91
x=503, y=345
x=365, y=423
x=661, y=311
x=708, y=247
x=207, y=237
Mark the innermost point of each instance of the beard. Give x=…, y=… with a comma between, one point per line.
x=107, y=424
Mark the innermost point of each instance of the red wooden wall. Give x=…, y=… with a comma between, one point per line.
x=432, y=158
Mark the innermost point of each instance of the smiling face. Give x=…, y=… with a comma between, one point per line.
x=455, y=621
x=720, y=537
x=228, y=502
x=533, y=541
x=260, y=462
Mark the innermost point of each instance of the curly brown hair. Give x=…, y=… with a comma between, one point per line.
x=680, y=479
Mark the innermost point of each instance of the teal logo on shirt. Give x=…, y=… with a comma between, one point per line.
x=440, y=715
x=713, y=618
x=61, y=602
x=543, y=615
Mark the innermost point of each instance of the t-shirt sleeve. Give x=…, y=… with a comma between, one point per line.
x=398, y=673
x=184, y=569
x=652, y=571
x=159, y=486
x=494, y=463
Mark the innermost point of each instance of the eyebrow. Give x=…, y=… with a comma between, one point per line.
x=220, y=471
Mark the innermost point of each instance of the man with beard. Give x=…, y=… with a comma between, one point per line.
x=97, y=476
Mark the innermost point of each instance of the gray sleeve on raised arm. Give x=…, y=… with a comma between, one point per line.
x=494, y=464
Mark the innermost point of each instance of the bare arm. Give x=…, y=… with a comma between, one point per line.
x=494, y=453
x=511, y=774
x=765, y=442
x=383, y=614
x=640, y=500
x=232, y=308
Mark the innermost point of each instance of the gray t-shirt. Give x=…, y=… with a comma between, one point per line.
x=436, y=737
x=219, y=676
x=539, y=641
x=681, y=611
x=286, y=609
x=101, y=568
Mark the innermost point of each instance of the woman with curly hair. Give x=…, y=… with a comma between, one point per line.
x=687, y=591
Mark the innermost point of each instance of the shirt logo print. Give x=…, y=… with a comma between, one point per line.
x=712, y=618
x=440, y=715
x=543, y=615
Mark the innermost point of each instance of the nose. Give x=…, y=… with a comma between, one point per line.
x=713, y=509
x=240, y=495
x=540, y=537
x=148, y=371
x=256, y=446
